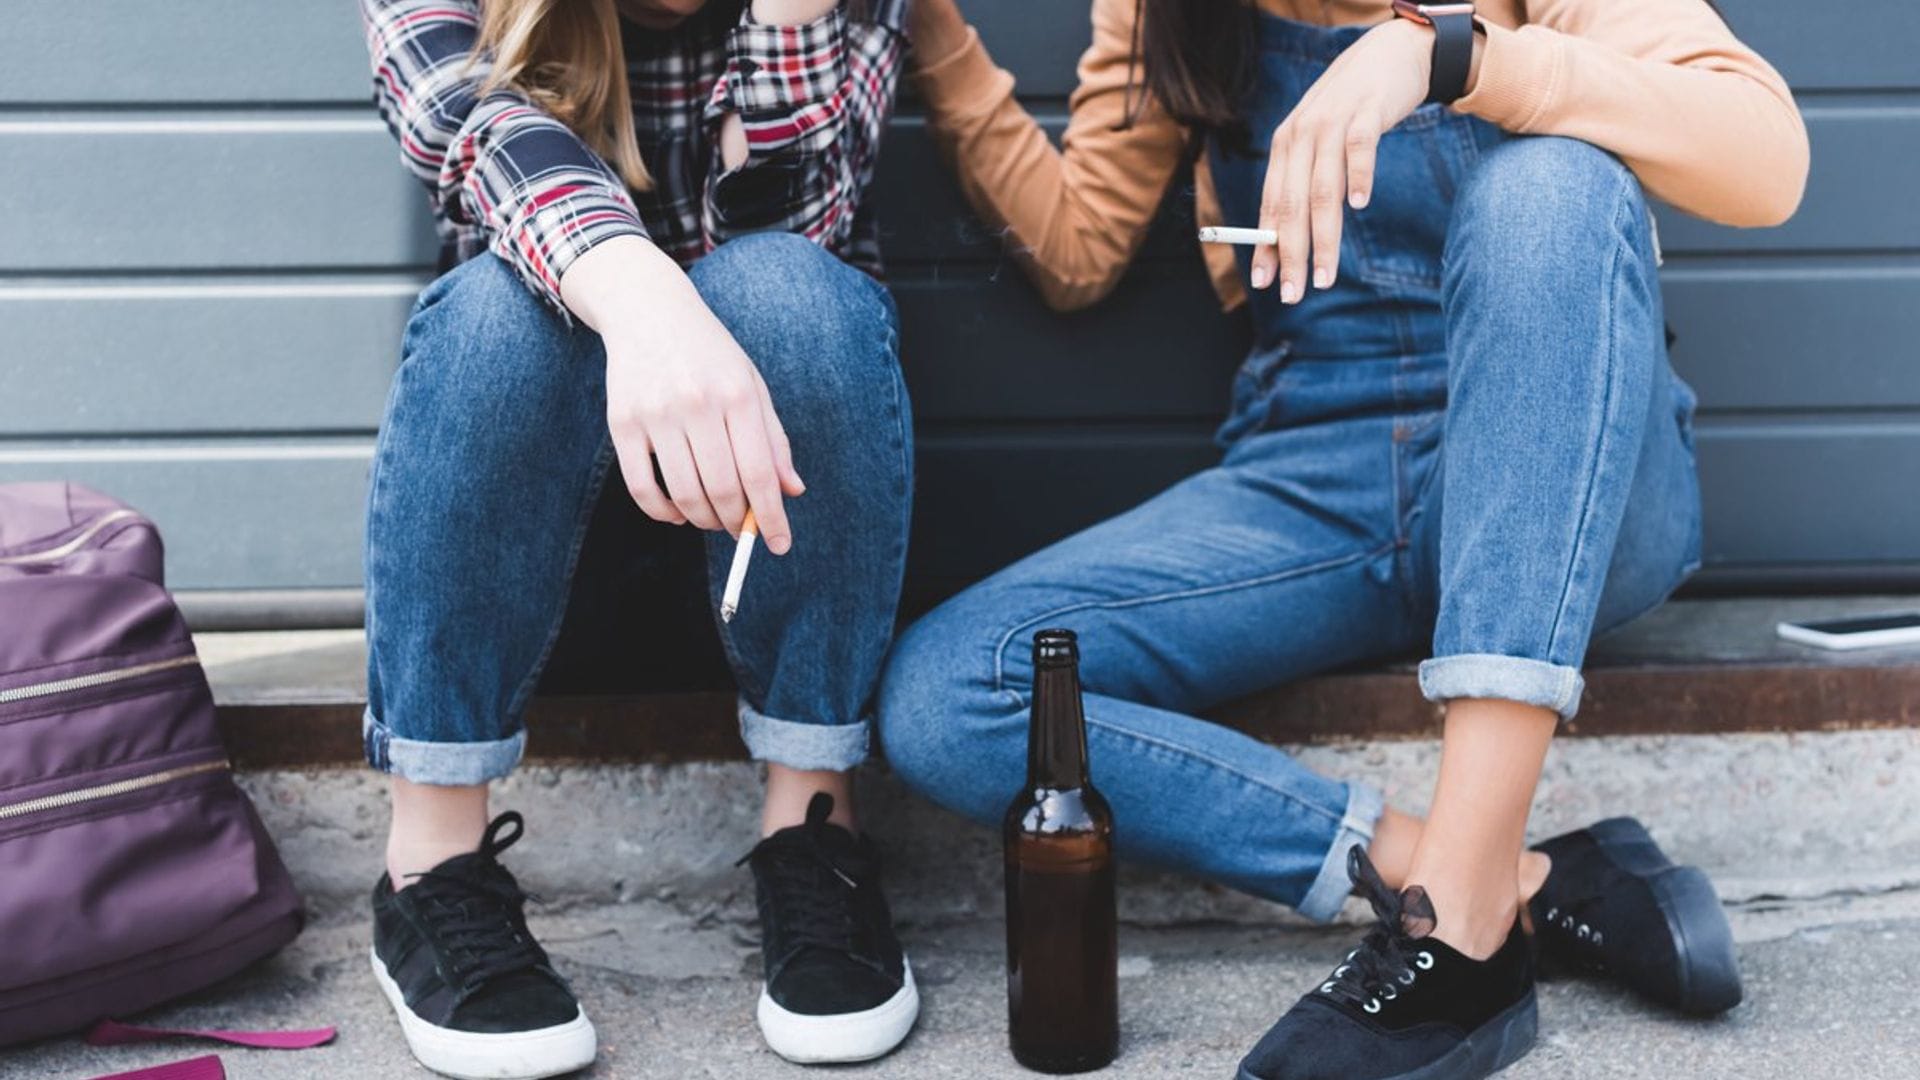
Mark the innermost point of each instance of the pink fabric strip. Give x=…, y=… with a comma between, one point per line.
x=114, y=1033
x=200, y=1068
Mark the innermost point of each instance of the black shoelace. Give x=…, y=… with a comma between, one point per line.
x=816, y=896
x=1388, y=961
x=475, y=909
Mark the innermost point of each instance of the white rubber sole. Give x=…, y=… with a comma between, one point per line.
x=470, y=1055
x=861, y=1036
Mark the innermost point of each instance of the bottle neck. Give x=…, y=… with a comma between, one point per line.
x=1057, y=739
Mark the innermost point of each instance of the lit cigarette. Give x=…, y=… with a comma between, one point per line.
x=737, y=574
x=1221, y=234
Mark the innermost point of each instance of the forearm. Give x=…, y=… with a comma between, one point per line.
x=1702, y=120
x=1073, y=215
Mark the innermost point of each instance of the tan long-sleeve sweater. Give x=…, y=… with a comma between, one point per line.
x=1702, y=120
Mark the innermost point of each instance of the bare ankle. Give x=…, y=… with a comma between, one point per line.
x=790, y=790
x=432, y=824
x=1474, y=920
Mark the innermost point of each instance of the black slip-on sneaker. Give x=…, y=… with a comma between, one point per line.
x=1614, y=904
x=838, y=986
x=1405, y=1005
x=475, y=993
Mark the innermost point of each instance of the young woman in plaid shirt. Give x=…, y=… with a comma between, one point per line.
x=659, y=272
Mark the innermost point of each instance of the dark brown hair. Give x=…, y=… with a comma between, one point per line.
x=1196, y=57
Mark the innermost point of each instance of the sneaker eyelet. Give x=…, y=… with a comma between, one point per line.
x=1388, y=993
x=1372, y=1005
x=1424, y=961
x=1339, y=971
x=1326, y=987
x=1407, y=977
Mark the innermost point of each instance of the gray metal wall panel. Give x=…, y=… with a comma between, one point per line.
x=1818, y=490
x=134, y=357
x=134, y=51
x=1810, y=328
x=1838, y=334
x=215, y=191
x=235, y=513
x=182, y=51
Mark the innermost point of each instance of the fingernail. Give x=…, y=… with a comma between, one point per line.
x=1262, y=277
x=1322, y=278
x=1358, y=200
x=1289, y=292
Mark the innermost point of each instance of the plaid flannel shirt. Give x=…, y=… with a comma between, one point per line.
x=506, y=176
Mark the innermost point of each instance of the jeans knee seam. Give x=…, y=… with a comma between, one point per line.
x=1609, y=404
x=1000, y=649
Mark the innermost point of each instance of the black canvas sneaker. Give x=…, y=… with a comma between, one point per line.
x=838, y=986
x=475, y=994
x=1613, y=903
x=1404, y=1005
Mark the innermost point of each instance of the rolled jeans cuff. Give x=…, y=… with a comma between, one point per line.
x=814, y=747
x=1332, y=886
x=1508, y=678
x=444, y=764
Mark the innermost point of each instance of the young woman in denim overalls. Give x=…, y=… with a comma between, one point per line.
x=1457, y=435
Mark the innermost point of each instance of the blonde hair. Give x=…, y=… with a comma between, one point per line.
x=566, y=56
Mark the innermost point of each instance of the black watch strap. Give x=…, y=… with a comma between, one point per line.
x=1452, y=57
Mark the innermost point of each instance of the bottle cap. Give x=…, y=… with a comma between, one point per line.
x=1054, y=648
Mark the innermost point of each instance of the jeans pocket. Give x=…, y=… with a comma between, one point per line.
x=1396, y=243
x=1252, y=405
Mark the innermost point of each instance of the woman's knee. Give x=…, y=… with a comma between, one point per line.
x=938, y=717
x=480, y=342
x=812, y=324
x=1536, y=204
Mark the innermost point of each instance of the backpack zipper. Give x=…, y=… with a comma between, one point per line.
x=107, y=791
x=55, y=554
x=97, y=678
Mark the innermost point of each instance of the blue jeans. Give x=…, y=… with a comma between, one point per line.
x=1472, y=447
x=490, y=466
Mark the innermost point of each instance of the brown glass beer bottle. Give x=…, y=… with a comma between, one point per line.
x=1062, y=960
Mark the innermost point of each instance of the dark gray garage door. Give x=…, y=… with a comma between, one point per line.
x=207, y=250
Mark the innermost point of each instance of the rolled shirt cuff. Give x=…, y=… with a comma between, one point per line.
x=1508, y=678
x=814, y=747
x=443, y=764
x=1331, y=886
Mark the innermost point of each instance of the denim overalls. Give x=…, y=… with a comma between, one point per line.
x=1471, y=448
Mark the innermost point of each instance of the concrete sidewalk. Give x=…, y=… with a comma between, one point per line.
x=1829, y=995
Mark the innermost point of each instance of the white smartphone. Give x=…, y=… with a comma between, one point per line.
x=1865, y=632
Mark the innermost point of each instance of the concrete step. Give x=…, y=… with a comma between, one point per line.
x=1827, y=998
x=1783, y=771
x=294, y=698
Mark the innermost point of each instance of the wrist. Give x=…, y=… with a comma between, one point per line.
x=614, y=284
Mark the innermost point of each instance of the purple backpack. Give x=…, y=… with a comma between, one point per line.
x=132, y=869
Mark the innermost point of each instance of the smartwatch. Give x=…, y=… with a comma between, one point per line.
x=1452, y=45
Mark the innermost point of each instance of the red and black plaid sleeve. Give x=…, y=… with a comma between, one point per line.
x=814, y=101
x=498, y=163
